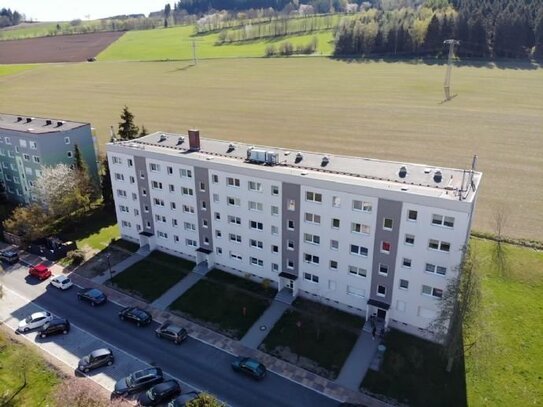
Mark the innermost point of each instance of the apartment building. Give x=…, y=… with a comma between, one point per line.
x=29, y=143
x=367, y=236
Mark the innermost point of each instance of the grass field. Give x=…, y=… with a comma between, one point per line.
x=6, y=70
x=380, y=110
x=27, y=30
x=176, y=44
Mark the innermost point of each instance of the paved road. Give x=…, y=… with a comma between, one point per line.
x=200, y=365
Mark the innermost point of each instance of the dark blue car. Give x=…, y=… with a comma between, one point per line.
x=92, y=295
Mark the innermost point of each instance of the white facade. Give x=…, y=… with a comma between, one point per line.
x=343, y=239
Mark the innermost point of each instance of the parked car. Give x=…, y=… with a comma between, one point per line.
x=40, y=271
x=54, y=327
x=171, y=332
x=9, y=256
x=138, y=381
x=61, y=282
x=184, y=399
x=92, y=295
x=33, y=321
x=160, y=393
x=96, y=359
x=250, y=367
x=137, y=315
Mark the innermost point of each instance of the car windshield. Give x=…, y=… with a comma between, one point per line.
x=28, y=319
x=151, y=394
x=94, y=293
x=130, y=380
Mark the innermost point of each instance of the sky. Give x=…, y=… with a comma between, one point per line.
x=66, y=10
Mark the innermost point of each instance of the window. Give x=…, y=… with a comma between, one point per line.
x=358, y=271
x=275, y=190
x=256, y=244
x=169, y=170
x=359, y=250
x=255, y=186
x=274, y=230
x=33, y=145
x=291, y=205
x=202, y=186
x=119, y=177
x=360, y=228
x=217, y=216
x=66, y=140
x=132, y=179
x=236, y=256
x=255, y=206
x=334, y=244
x=215, y=197
x=335, y=223
x=206, y=241
x=160, y=218
x=439, y=245
x=312, y=259
x=142, y=174
x=447, y=221
x=205, y=223
x=215, y=178
x=387, y=224
x=313, y=197
x=256, y=262
x=312, y=239
x=275, y=210
x=406, y=263
x=290, y=264
x=187, y=191
x=385, y=247
x=7, y=140
x=191, y=243
x=356, y=292
x=203, y=205
x=432, y=292
x=218, y=233
x=158, y=202
x=412, y=215
x=130, y=162
x=126, y=224
x=312, y=218
x=336, y=201
x=122, y=193
x=381, y=291
x=253, y=224
x=333, y=265
x=404, y=284
x=410, y=240
x=136, y=212
x=175, y=238
x=311, y=277
x=123, y=208
x=22, y=143
x=275, y=248
x=432, y=268
x=290, y=224
x=188, y=209
x=232, y=182
x=218, y=250
x=171, y=188
x=26, y=157
x=162, y=235
x=69, y=154
x=156, y=185
x=189, y=226
x=234, y=238
x=275, y=267
x=383, y=269
x=232, y=201
x=234, y=220
x=146, y=209
x=184, y=173
x=154, y=167
x=362, y=206
x=290, y=244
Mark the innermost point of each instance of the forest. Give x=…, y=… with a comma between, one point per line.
x=9, y=17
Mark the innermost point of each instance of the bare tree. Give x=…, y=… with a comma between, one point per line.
x=459, y=325
x=500, y=255
x=205, y=400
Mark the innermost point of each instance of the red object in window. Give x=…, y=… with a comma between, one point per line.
x=385, y=246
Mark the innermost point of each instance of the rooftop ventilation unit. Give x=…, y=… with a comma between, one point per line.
x=60, y=123
x=180, y=140
x=325, y=161
x=19, y=118
x=299, y=157
x=29, y=119
x=261, y=156
x=403, y=172
x=438, y=176
x=162, y=138
x=48, y=122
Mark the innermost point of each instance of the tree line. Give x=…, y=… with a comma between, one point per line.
x=9, y=17
x=502, y=29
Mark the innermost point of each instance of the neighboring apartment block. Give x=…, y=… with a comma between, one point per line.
x=368, y=236
x=27, y=144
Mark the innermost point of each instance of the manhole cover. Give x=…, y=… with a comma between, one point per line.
x=263, y=327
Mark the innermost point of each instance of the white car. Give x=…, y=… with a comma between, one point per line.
x=36, y=320
x=62, y=282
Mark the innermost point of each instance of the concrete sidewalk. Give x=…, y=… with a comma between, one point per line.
x=355, y=367
x=263, y=325
x=176, y=291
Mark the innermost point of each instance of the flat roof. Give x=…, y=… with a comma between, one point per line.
x=418, y=178
x=36, y=125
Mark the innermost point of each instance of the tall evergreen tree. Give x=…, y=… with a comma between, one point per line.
x=86, y=185
x=143, y=131
x=538, y=38
x=107, y=190
x=478, y=41
x=127, y=129
x=433, y=44
x=78, y=160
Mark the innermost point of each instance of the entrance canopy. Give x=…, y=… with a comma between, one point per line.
x=379, y=304
x=288, y=275
x=204, y=250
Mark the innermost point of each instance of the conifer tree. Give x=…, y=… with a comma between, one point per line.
x=127, y=129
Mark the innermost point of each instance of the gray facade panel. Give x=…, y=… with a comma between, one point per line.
x=201, y=179
x=290, y=192
x=140, y=164
x=390, y=210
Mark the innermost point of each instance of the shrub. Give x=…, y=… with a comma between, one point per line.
x=76, y=257
x=270, y=51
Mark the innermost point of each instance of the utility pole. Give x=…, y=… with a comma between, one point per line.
x=447, y=84
x=194, y=59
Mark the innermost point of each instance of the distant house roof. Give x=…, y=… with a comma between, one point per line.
x=36, y=125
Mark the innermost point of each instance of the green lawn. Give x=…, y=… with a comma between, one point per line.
x=176, y=44
x=40, y=377
x=26, y=30
x=242, y=283
x=6, y=70
x=153, y=276
x=221, y=305
x=325, y=337
x=413, y=373
x=126, y=245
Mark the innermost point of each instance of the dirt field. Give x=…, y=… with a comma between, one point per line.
x=64, y=48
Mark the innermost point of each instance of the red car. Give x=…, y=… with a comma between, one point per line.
x=40, y=271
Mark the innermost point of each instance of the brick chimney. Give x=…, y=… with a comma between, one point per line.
x=194, y=140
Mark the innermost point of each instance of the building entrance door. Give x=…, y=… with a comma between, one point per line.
x=289, y=284
x=381, y=313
